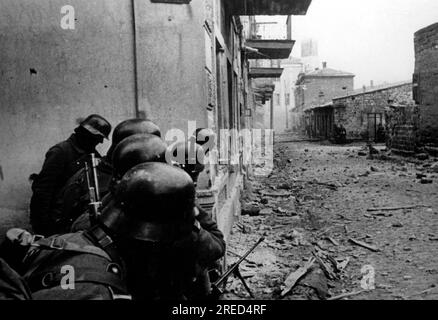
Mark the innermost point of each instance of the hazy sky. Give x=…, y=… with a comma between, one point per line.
x=373, y=39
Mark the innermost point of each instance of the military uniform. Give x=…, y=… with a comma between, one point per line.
x=63, y=161
x=73, y=199
x=87, y=261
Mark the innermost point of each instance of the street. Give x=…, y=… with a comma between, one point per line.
x=349, y=213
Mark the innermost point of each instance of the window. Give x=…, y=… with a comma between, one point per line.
x=287, y=99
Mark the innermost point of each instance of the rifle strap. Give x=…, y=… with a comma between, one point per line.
x=97, y=235
x=53, y=278
x=57, y=243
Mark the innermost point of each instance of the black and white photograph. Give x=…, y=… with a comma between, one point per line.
x=219, y=155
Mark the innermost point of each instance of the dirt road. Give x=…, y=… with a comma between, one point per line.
x=316, y=200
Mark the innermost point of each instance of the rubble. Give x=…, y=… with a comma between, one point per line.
x=323, y=209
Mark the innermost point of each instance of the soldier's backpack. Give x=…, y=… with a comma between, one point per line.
x=39, y=272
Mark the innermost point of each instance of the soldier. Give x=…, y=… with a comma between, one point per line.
x=178, y=244
x=73, y=199
x=192, y=156
x=146, y=243
x=131, y=151
x=63, y=161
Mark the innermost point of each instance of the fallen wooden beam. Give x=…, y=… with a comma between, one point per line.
x=293, y=278
x=345, y=295
x=363, y=244
x=397, y=208
x=332, y=241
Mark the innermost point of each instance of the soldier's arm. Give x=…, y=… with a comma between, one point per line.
x=211, y=243
x=44, y=187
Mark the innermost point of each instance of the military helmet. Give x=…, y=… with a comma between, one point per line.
x=134, y=126
x=97, y=125
x=152, y=202
x=137, y=149
x=189, y=156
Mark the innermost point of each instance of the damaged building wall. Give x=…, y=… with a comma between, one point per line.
x=50, y=77
x=164, y=69
x=361, y=113
x=426, y=80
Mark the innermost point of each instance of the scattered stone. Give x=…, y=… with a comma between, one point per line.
x=434, y=167
x=426, y=181
x=284, y=186
x=250, y=210
x=422, y=156
x=397, y=225
x=266, y=211
x=374, y=169
x=420, y=175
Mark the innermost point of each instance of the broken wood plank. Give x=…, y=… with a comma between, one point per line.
x=332, y=241
x=293, y=278
x=363, y=244
x=397, y=208
x=345, y=295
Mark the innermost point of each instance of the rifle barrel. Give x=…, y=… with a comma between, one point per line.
x=235, y=265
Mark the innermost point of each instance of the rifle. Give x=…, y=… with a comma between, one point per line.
x=234, y=269
x=93, y=186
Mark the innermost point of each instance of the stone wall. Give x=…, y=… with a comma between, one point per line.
x=426, y=77
x=352, y=111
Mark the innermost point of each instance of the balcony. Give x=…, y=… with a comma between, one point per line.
x=268, y=7
x=270, y=49
x=257, y=72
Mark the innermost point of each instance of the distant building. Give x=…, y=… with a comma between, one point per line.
x=364, y=112
x=309, y=54
x=284, y=95
x=317, y=88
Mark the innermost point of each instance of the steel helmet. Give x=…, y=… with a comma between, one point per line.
x=189, y=156
x=137, y=149
x=134, y=126
x=152, y=202
x=97, y=125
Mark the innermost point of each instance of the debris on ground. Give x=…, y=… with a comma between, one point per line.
x=335, y=207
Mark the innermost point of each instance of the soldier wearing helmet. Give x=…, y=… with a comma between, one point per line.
x=154, y=210
x=73, y=198
x=146, y=243
x=133, y=150
x=63, y=161
x=190, y=157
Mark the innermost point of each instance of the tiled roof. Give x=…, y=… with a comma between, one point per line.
x=374, y=89
x=328, y=72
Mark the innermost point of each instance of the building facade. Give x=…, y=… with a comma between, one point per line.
x=316, y=88
x=179, y=63
x=364, y=111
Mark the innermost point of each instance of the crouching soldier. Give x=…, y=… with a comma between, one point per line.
x=146, y=244
x=63, y=161
x=131, y=151
x=74, y=197
x=190, y=157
